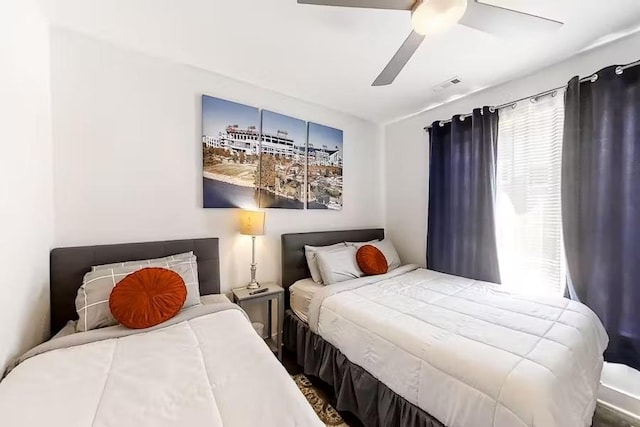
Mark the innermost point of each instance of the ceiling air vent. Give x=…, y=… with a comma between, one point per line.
x=447, y=84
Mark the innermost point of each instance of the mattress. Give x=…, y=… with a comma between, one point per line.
x=467, y=352
x=301, y=293
x=207, y=368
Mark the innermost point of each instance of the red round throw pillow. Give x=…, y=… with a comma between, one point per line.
x=147, y=297
x=371, y=260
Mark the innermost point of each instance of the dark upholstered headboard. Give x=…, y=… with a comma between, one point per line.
x=69, y=265
x=294, y=263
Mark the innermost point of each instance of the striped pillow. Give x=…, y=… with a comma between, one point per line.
x=92, y=300
x=147, y=262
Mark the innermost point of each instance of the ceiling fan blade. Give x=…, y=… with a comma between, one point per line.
x=369, y=4
x=399, y=60
x=504, y=22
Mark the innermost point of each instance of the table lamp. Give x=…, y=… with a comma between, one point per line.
x=252, y=224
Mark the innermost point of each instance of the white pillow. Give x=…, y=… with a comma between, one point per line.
x=178, y=257
x=310, y=253
x=214, y=299
x=338, y=265
x=358, y=245
x=92, y=299
x=389, y=251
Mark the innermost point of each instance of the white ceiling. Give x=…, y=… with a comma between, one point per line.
x=330, y=55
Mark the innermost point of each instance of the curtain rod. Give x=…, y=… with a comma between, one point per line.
x=593, y=78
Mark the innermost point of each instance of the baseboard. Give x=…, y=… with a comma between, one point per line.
x=619, y=401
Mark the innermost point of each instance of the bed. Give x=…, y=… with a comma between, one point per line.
x=204, y=367
x=415, y=347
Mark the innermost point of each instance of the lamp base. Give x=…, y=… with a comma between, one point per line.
x=253, y=284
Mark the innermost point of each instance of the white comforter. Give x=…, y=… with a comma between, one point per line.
x=212, y=370
x=465, y=351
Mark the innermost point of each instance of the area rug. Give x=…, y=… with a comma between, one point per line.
x=604, y=417
x=319, y=402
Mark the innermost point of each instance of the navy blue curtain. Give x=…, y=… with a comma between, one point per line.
x=601, y=204
x=461, y=238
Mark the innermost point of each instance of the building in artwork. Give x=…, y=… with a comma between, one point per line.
x=325, y=156
x=280, y=144
x=247, y=140
x=235, y=139
x=239, y=140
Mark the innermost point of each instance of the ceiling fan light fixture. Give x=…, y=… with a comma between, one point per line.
x=433, y=16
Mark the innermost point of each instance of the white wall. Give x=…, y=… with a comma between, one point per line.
x=128, y=157
x=407, y=156
x=26, y=214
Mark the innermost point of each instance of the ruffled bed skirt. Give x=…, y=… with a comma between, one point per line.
x=356, y=390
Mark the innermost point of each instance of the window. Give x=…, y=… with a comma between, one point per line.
x=528, y=213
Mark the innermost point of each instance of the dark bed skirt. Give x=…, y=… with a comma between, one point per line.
x=356, y=390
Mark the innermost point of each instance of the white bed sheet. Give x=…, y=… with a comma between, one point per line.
x=465, y=351
x=210, y=371
x=301, y=293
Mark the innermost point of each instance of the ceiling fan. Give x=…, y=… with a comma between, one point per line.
x=432, y=16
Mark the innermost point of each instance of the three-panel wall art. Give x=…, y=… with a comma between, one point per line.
x=259, y=158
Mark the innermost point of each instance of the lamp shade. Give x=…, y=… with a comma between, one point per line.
x=252, y=223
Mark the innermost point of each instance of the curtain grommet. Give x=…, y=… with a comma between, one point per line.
x=619, y=70
x=554, y=93
x=492, y=109
x=533, y=100
x=594, y=78
x=462, y=118
x=441, y=124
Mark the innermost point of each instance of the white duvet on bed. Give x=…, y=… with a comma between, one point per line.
x=211, y=370
x=465, y=351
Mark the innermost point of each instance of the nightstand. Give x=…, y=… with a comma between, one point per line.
x=242, y=297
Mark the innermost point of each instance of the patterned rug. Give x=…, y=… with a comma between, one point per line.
x=604, y=417
x=319, y=402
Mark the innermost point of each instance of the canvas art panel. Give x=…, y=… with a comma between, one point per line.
x=324, y=167
x=281, y=170
x=230, y=153
x=253, y=158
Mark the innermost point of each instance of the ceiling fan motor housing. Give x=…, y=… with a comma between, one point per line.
x=433, y=16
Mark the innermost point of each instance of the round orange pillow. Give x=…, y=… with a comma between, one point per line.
x=371, y=260
x=147, y=298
